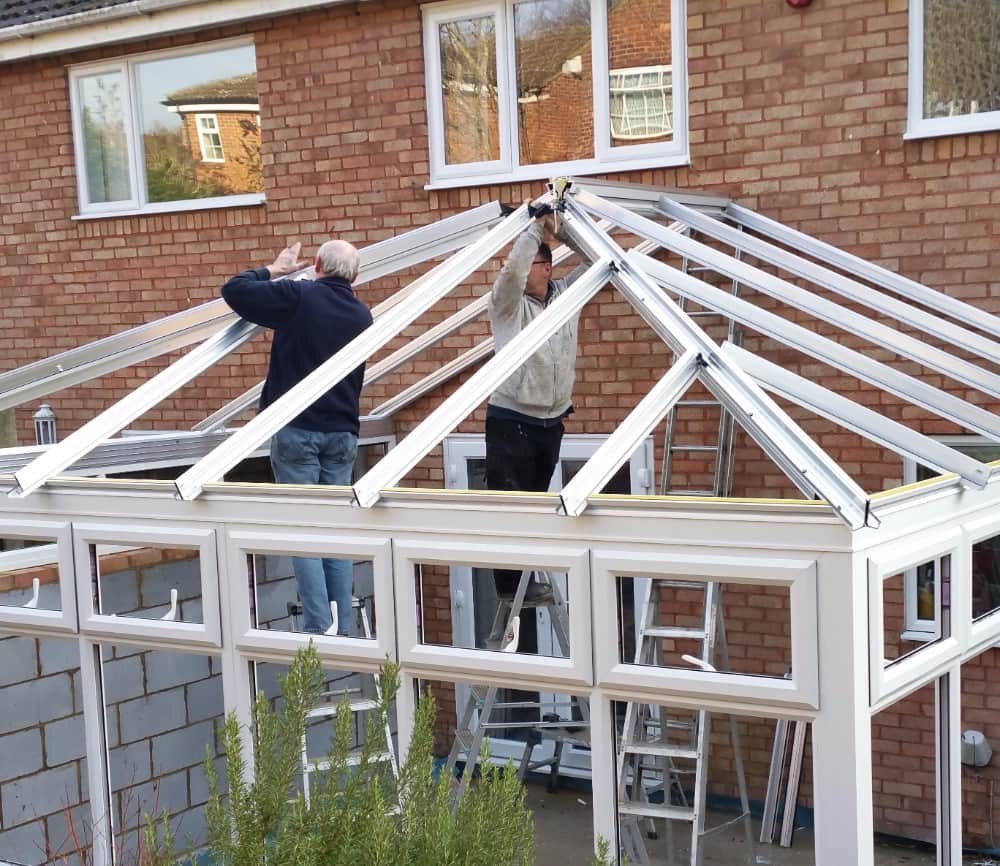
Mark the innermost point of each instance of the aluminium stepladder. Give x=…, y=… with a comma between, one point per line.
x=356, y=703
x=655, y=753
x=476, y=718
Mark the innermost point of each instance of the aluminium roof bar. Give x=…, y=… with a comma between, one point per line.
x=644, y=199
x=434, y=285
x=963, y=312
x=802, y=460
x=835, y=282
x=130, y=407
x=407, y=453
x=448, y=326
x=432, y=380
x=104, y=356
x=872, y=425
x=823, y=309
x=875, y=372
x=618, y=447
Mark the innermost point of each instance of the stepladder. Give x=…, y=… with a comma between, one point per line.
x=663, y=752
x=535, y=720
x=357, y=699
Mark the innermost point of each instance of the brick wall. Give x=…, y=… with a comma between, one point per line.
x=798, y=113
x=240, y=172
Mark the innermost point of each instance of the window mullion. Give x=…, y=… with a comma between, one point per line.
x=133, y=123
x=600, y=64
x=508, y=106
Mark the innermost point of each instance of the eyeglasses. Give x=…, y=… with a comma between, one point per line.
x=540, y=262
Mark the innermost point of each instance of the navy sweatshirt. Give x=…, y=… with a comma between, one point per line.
x=312, y=321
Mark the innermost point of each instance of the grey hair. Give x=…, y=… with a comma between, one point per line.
x=339, y=259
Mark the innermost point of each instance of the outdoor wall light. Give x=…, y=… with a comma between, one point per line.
x=45, y=425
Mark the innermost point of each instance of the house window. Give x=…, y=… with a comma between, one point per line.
x=168, y=130
x=526, y=89
x=209, y=138
x=954, y=69
x=641, y=103
x=921, y=583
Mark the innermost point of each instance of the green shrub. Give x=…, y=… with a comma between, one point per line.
x=356, y=814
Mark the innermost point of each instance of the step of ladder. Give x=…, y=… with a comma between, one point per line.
x=660, y=750
x=657, y=810
x=353, y=759
x=677, y=633
x=357, y=705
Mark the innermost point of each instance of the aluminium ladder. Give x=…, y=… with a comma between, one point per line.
x=476, y=719
x=356, y=704
x=650, y=758
x=695, y=409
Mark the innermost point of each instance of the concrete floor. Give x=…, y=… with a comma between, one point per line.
x=563, y=835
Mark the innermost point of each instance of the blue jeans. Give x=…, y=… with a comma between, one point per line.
x=309, y=457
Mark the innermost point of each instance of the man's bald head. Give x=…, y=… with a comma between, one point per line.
x=338, y=259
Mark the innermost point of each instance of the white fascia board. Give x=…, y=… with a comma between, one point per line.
x=639, y=423
x=830, y=352
x=811, y=469
x=147, y=395
x=113, y=353
x=860, y=419
x=829, y=279
x=810, y=246
x=449, y=414
x=904, y=345
x=140, y=19
x=422, y=294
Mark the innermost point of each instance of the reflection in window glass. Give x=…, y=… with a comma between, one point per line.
x=640, y=85
x=105, y=147
x=555, y=105
x=200, y=129
x=469, y=90
x=985, y=576
x=961, y=57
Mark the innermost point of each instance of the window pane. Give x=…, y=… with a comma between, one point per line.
x=200, y=130
x=555, y=103
x=640, y=88
x=469, y=90
x=105, y=148
x=985, y=576
x=961, y=57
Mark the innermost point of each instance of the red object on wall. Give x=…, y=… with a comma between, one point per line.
x=798, y=4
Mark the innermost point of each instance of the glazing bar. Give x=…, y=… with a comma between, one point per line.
x=639, y=198
x=433, y=286
x=948, y=306
x=112, y=353
x=433, y=380
x=828, y=279
x=450, y=413
x=618, y=447
x=872, y=425
x=802, y=460
x=126, y=410
x=875, y=372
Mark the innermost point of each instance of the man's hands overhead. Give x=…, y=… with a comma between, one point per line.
x=288, y=261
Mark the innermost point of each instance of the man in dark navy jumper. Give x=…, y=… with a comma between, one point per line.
x=312, y=321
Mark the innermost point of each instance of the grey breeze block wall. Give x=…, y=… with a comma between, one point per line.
x=162, y=709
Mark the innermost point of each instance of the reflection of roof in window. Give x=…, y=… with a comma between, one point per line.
x=240, y=88
x=15, y=12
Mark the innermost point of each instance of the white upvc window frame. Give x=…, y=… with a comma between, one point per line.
x=915, y=628
x=607, y=157
x=164, y=634
x=137, y=203
x=356, y=653
x=207, y=133
x=798, y=692
x=60, y=554
x=918, y=126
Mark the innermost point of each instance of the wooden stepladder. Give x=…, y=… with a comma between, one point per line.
x=476, y=719
x=657, y=754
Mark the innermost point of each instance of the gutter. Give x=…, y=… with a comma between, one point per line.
x=138, y=19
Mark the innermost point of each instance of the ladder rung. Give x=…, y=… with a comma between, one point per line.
x=654, y=810
x=694, y=448
x=661, y=750
x=663, y=631
x=697, y=403
x=680, y=491
x=353, y=760
x=357, y=705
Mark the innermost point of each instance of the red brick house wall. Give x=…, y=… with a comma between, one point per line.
x=240, y=172
x=797, y=113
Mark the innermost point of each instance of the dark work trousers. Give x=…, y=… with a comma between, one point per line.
x=519, y=456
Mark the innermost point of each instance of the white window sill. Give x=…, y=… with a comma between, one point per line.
x=938, y=127
x=545, y=172
x=919, y=636
x=177, y=207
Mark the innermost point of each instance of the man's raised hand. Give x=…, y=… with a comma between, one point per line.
x=288, y=261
